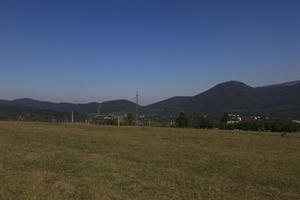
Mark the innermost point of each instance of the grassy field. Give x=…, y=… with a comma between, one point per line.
x=66, y=161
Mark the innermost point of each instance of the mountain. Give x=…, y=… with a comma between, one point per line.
x=10, y=112
x=225, y=96
x=89, y=108
x=63, y=107
x=228, y=95
x=291, y=83
x=235, y=96
x=117, y=106
x=232, y=96
x=174, y=103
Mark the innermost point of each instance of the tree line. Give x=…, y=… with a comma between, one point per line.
x=249, y=124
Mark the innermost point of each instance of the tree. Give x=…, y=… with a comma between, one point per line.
x=129, y=119
x=203, y=122
x=182, y=121
x=225, y=118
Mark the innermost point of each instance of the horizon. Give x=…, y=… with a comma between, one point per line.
x=98, y=51
x=274, y=84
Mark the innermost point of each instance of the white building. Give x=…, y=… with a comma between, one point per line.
x=234, y=119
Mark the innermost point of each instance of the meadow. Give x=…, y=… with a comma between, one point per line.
x=78, y=161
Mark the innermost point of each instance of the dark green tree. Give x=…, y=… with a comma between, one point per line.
x=130, y=119
x=182, y=121
x=203, y=122
x=225, y=118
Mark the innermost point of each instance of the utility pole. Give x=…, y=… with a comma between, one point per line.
x=149, y=123
x=119, y=121
x=99, y=108
x=72, y=116
x=136, y=107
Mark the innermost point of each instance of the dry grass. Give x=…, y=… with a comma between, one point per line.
x=66, y=161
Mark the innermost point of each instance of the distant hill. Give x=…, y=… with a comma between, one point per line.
x=225, y=96
x=64, y=107
x=117, y=106
x=10, y=112
x=232, y=96
x=89, y=108
x=174, y=103
x=228, y=95
x=291, y=83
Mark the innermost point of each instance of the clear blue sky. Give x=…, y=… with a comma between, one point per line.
x=82, y=51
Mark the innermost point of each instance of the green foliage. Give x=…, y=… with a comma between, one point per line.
x=203, y=122
x=182, y=121
x=13, y=113
x=130, y=119
x=225, y=118
x=262, y=125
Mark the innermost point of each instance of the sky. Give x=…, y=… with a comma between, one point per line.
x=86, y=50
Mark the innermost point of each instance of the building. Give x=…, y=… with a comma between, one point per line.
x=233, y=119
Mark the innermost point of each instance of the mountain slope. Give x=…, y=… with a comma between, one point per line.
x=117, y=106
x=64, y=107
x=105, y=107
x=10, y=112
x=228, y=95
x=225, y=96
x=231, y=96
x=291, y=83
x=174, y=103
x=237, y=96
